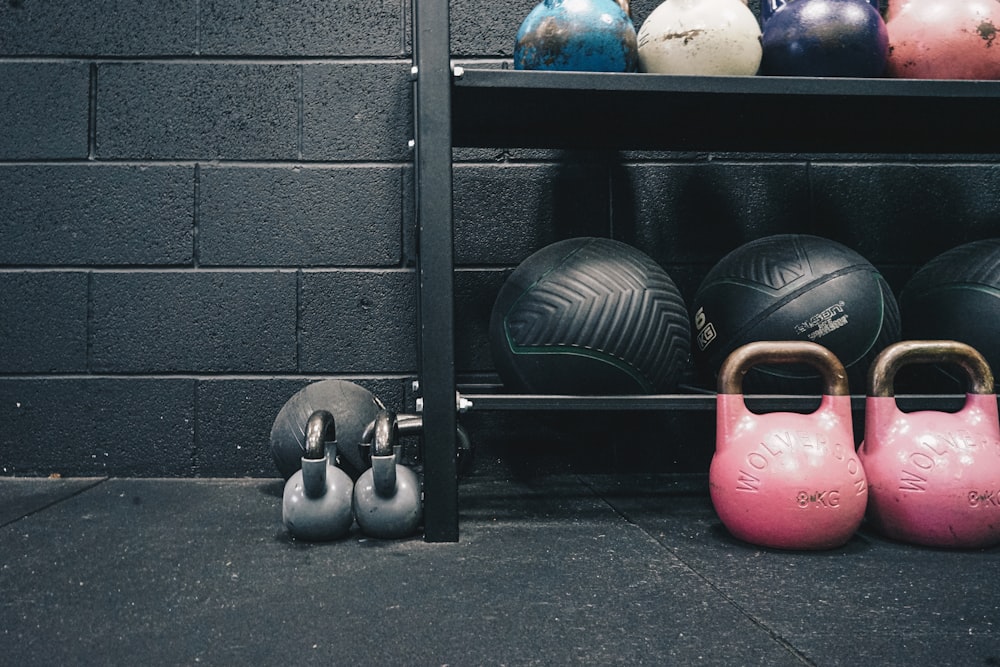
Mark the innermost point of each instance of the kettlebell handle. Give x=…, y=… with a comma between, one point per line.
x=409, y=424
x=414, y=425
x=320, y=429
x=883, y=372
x=743, y=358
x=385, y=433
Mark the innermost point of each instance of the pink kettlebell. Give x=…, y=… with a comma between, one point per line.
x=934, y=476
x=783, y=479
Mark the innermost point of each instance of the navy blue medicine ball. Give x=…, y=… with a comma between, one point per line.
x=795, y=287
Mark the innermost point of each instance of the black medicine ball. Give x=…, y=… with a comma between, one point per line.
x=590, y=316
x=795, y=287
x=956, y=296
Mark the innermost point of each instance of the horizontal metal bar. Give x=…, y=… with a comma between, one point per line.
x=689, y=402
x=787, y=87
x=509, y=108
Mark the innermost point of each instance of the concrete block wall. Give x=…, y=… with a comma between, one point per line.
x=206, y=205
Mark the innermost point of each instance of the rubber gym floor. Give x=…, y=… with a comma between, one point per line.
x=550, y=569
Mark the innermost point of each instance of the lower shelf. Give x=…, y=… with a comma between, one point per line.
x=685, y=402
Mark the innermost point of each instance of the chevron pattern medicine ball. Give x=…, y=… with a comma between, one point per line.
x=795, y=287
x=590, y=316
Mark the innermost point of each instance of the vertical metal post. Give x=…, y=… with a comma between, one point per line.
x=432, y=162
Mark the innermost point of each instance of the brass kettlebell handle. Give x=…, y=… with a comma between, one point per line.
x=320, y=429
x=883, y=372
x=409, y=424
x=385, y=433
x=745, y=357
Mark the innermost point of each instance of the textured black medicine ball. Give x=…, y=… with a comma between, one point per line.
x=795, y=287
x=353, y=407
x=956, y=296
x=590, y=316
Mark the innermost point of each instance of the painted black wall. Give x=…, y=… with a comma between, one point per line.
x=204, y=206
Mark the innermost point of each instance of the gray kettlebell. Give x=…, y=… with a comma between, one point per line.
x=388, y=498
x=316, y=504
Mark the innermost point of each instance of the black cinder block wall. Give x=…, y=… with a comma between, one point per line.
x=206, y=205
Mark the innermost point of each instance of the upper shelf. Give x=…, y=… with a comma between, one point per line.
x=510, y=108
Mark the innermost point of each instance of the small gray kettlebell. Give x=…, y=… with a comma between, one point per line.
x=316, y=504
x=388, y=498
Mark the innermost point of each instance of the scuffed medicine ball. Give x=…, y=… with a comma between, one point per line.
x=353, y=407
x=795, y=287
x=590, y=316
x=956, y=296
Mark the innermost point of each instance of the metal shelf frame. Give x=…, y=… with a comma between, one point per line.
x=691, y=402
x=514, y=109
x=435, y=299
x=518, y=109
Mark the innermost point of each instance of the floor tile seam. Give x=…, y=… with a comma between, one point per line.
x=57, y=501
x=859, y=635
x=773, y=633
x=602, y=526
x=220, y=481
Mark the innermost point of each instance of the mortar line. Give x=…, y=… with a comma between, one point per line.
x=194, y=427
x=405, y=21
x=298, y=321
x=196, y=219
x=207, y=376
x=89, y=327
x=187, y=268
x=313, y=165
x=92, y=114
x=197, y=27
x=213, y=59
x=405, y=221
x=300, y=128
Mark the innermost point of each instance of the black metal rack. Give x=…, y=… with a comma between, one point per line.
x=469, y=107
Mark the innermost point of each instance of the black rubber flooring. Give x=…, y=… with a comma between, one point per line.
x=563, y=569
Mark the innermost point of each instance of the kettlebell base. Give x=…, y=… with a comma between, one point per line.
x=942, y=532
x=792, y=546
x=798, y=529
x=803, y=535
